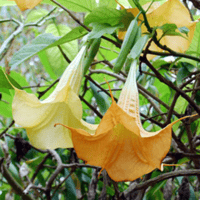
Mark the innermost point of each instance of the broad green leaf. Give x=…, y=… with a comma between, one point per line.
x=131, y=3
x=76, y=5
x=170, y=29
x=108, y=3
x=181, y=105
x=105, y=15
x=46, y=64
x=70, y=186
x=192, y=194
x=5, y=108
x=184, y=30
x=4, y=83
x=43, y=42
x=194, y=47
x=35, y=15
x=184, y=71
x=125, y=3
x=38, y=44
x=7, y=3
x=14, y=172
x=55, y=58
x=21, y=81
x=101, y=98
x=100, y=29
x=6, y=102
x=155, y=193
x=75, y=33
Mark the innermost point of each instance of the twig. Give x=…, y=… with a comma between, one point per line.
x=39, y=167
x=170, y=84
x=83, y=25
x=43, y=92
x=13, y=183
x=161, y=177
x=6, y=44
x=174, y=54
x=102, y=89
x=91, y=107
x=59, y=168
x=93, y=185
x=79, y=165
x=64, y=55
x=2, y=133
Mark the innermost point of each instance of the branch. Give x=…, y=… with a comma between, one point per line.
x=171, y=85
x=2, y=133
x=83, y=25
x=173, y=53
x=159, y=178
x=6, y=44
x=13, y=183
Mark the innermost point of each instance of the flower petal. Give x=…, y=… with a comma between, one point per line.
x=39, y=118
x=62, y=106
x=27, y=4
x=172, y=12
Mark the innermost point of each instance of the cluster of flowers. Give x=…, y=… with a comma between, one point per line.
x=118, y=144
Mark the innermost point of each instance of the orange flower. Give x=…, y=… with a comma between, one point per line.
x=171, y=12
x=120, y=144
x=26, y=4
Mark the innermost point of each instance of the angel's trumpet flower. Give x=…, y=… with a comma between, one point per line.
x=170, y=12
x=63, y=105
x=120, y=144
x=26, y=4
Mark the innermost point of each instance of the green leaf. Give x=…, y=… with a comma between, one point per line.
x=4, y=83
x=184, y=71
x=170, y=29
x=35, y=15
x=57, y=62
x=194, y=47
x=70, y=186
x=46, y=64
x=74, y=34
x=76, y=5
x=38, y=44
x=5, y=108
x=184, y=30
x=192, y=194
x=105, y=15
x=101, y=29
x=7, y=3
x=108, y=3
x=43, y=42
x=101, y=98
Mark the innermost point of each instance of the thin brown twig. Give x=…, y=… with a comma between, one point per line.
x=161, y=177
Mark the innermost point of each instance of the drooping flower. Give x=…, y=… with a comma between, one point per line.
x=63, y=105
x=120, y=144
x=26, y=4
x=171, y=12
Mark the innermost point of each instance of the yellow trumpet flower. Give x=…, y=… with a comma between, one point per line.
x=120, y=144
x=171, y=12
x=63, y=105
x=26, y=4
